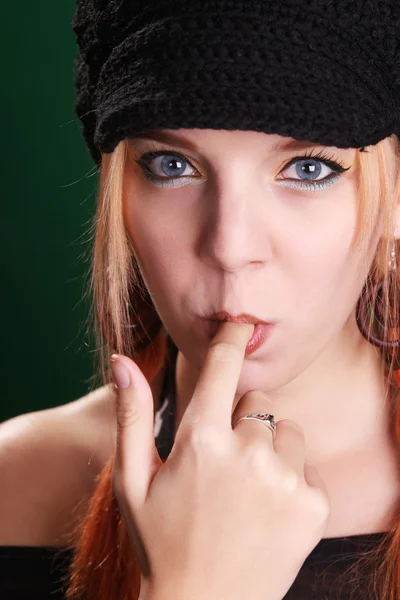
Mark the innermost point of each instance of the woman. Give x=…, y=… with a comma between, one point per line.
x=232, y=188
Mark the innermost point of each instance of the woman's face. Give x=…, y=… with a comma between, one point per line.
x=238, y=221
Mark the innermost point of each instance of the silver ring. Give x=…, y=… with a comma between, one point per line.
x=266, y=418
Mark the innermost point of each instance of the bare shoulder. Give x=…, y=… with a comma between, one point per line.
x=49, y=460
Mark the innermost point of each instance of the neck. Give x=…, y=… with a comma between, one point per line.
x=341, y=401
x=347, y=413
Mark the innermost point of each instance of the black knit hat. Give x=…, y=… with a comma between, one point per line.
x=327, y=71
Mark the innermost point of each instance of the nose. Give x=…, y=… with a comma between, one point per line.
x=235, y=231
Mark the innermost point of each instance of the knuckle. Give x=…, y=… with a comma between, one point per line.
x=320, y=505
x=203, y=441
x=288, y=479
x=126, y=416
x=223, y=352
x=314, y=509
x=257, y=458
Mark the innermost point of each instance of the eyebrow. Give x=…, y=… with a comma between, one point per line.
x=179, y=140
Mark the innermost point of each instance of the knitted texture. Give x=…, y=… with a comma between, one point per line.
x=327, y=71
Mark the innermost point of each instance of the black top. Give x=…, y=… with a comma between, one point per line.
x=37, y=573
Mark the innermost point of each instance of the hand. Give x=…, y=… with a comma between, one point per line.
x=232, y=513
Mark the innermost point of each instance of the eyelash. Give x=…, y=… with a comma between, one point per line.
x=335, y=164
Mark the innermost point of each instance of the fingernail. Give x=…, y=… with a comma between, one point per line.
x=120, y=372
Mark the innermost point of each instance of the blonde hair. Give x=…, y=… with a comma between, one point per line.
x=104, y=565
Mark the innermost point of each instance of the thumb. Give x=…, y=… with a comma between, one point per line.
x=136, y=457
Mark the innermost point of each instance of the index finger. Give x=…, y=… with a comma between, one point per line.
x=213, y=397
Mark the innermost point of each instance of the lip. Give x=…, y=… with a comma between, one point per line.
x=242, y=318
x=260, y=334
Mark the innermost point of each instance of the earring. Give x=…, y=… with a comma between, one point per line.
x=393, y=257
x=372, y=309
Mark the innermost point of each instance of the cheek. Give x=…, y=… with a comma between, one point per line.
x=160, y=256
x=322, y=259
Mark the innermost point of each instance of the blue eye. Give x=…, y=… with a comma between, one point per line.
x=170, y=167
x=309, y=168
x=173, y=167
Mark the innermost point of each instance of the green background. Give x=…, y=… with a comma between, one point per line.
x=48, y=198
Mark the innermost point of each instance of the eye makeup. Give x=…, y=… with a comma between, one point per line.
x=309, y=159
